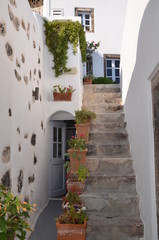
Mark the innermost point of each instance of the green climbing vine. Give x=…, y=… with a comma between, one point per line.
x=57, y=36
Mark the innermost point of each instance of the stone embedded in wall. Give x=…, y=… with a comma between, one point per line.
x=39, y=48
x=19, y=148
x=6, y=181
x=9, y=51
x=13, y=2
x=18, y=130
x=31, y=179
x=34, y=28
x=16, y=23
x=26, y=136
x=6, y=154
x=25, y=79
x=30, y=75
x=10, y=112
x=18, y=77
x=26, y=199
x=17, y=63
x=38, y=82
x=34, y=44
x=38, y=60
x=40, y=98
x=39, y=72
x=42, y=125
x=2, y=28
x=23, y=24
x=33, y=139
x=22, y=58
x=29, y=106
x=35, y=160
x=34, y=71
x=28, y=31
x=11, y=15
x=20, y=181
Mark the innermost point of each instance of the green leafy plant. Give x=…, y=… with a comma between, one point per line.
x=77, y=143
x=92, y=47
x=61, y=89
x=102, y=80
x=82, y=173
x=84, y=116
x=57, y=36
x=88, y=76
x=13, y=216
x=72, y=216
x=72, y=198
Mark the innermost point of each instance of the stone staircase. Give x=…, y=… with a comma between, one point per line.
x=110, y=192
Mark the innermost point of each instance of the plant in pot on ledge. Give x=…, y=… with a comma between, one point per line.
x=82, y=119
x=72, y=225
x=61, y=93
x=72, y=199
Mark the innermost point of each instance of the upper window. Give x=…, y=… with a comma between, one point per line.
x=112, y=67
x=58, y=12
x=87, y=18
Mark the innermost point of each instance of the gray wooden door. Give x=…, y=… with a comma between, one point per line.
x=57, y=185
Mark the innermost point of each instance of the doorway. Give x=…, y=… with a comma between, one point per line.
x=60, y=133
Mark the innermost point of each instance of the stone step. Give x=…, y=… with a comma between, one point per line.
x=108, y=149
x=109, y=137
x=93, y=99
x=112, y=204
x=118, y=184
x=104, y=108
x=109, y=117
x=99, y=227
x=110, y=166
x=108, y=127
x=101, y=104
x=102, y=88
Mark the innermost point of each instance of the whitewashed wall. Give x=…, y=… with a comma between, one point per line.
x=139, y=59
x=109, y=16
x=25, y=64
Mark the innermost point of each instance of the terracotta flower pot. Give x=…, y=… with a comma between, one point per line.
x=73, y=185
x=83, y=130
x=77, y=158
x=62, y=96
x=87, y=81
x=71, y=231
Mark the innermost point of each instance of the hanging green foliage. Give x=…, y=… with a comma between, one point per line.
x=57, y=36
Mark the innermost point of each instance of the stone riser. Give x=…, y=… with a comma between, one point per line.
x=113, y=127
x=112, y=117
x=112, y=205
x=109, y=137
x=120, y=184
x=109, y=166
x=105, y=109
x=101, y=90
x=107, y=150
x=100, y=101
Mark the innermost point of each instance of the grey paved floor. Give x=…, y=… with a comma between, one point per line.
x=45, y=228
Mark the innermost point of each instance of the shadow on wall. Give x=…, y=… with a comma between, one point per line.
x=98, y=65
x=140, y=117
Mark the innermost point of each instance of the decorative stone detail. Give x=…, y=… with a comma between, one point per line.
x=6, y=181
x=29, y=106
x=39, y=72
x=40, y=98
x=9, y=51
x=34, y=71
x=10, y=112
x=2, y=28
x=16, y=23
x=38, y=82
x=30, y=75
x=38, y=60
x=42, y=125
x=28, y=31
x=22, y=58
x=13, y=2
x=33, y=139
x=19, y=148
x=11, y=15
x=26, y=136
x=34, y=44
x=6, y=155
x=35, y=3
x=20, y=181
x=34, y=28
x=18, y=77
x=35, y=160
x=17, y=63
x=39, y=48
x=18, y=130
x=23, y=25
x=31, y=179
x=25, y=79
x=26, y=199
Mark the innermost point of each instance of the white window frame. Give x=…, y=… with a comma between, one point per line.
x=112, y=58
x=83, y=20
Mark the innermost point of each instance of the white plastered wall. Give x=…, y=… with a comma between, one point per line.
x=139, y=58
x=109, y=17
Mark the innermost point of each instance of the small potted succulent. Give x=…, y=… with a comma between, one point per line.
x=61, y=93
x=87, y=79
x=82, y=119
x=72, y=225
x=77, y=153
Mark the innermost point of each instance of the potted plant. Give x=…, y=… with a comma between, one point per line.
x=77, y=153
x=76, y=182
x=72, y=199
x=88, y=79
x=72, y=225
x=61, y=93
x=82, y=119
x=13, y=216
